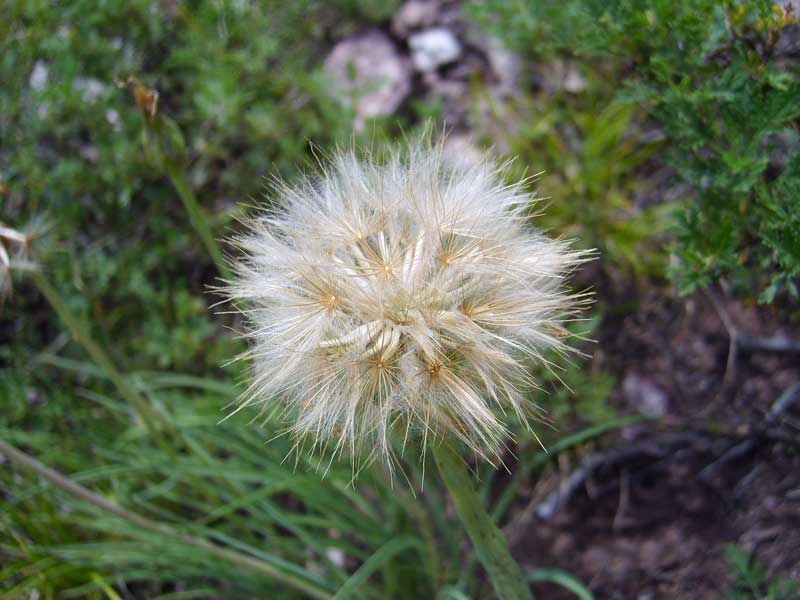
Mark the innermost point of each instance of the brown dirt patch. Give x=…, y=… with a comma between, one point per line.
x=652, y=518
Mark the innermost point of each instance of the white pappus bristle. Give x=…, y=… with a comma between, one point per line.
x=409, y=293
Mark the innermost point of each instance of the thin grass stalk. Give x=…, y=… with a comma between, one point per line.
x=199, y=221
x=80, y=333
x=84, y=494
x=490, y=544
x=426, y=530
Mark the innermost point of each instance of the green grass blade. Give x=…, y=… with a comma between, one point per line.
x=563, y=579
x=372, y=564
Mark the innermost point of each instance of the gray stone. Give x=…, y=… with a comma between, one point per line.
x=90, y=89
x=413, y=15
x=505, y=67
x=644, y=395
x=39, y=76
x=573, y=81
x=368, y=67
x=432, y=48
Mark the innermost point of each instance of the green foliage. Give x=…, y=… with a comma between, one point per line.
x=572, y=392
x=752, y=583
x=241, y=96
x=589, y=150
x=710, y=74
x=563, y=579
x=223, y=484
x=779, y=228
x=239, y=80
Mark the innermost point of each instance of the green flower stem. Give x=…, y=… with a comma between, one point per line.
x=199, y=221
x=78, y=491
x=80, y=333
x=490, y=544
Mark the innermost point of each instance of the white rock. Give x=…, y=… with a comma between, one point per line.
x=368, y=67
x=505, y=66
x=433, y=48
x=414, y=14
x=39, y=76
x=112, y=116
x=574, y=82
x=336, y=556
x=644, y=395
x=90, y=89
x=565, y=75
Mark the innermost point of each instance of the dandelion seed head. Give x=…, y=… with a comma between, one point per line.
x=405, y=293
x=14, y=257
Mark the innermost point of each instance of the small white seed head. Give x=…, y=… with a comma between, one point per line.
x=409, y=293
x=14, y=257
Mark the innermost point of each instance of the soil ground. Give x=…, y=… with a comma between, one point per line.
x=652, y=517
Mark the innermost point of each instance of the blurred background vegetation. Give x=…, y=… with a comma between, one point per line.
x=673, y=150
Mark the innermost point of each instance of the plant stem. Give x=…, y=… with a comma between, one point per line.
x=82, y=493
x=155, y=424
x=489, y=542
x=199, y=221
x=80, y=333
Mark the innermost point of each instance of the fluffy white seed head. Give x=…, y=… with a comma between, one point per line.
x=409, y=294
x=14, y=252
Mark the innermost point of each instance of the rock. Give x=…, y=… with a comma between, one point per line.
x=432, y=48
x=367, y=66
x=573, y=81
x=90, y=89
x=453, y=96
x=39, y=76
x=413, y=15
x=563, y=75
x=112, y=117
x=645, y=396
x=505, y=67
x=336, y=556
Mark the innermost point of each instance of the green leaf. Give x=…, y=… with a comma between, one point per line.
x=384, y=554
x=563, y=579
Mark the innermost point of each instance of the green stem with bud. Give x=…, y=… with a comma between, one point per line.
x=490, y=544
x=165, y=149
x=199, y=220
